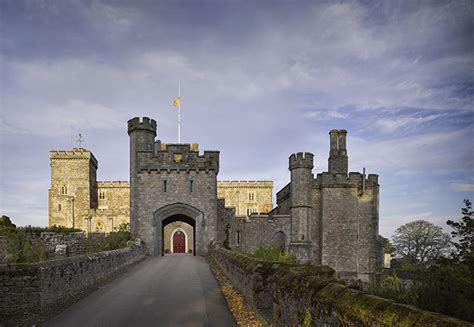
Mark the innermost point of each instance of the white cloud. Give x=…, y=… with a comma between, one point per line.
x=390, y=125
x=434, y=153
x=461, y=187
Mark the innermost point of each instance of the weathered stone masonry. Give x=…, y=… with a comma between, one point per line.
x=300, y=295
x=28, y=289
x=331, y=219
x=170, y=181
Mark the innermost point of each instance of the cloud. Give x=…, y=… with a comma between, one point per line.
x=257, y=89
x=389, y=125
x=461, y=187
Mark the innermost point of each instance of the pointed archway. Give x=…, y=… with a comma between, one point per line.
x=173, y=213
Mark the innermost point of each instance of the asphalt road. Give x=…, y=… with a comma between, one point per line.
x=175, y=290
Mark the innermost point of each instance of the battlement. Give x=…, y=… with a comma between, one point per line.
x=301, y=160
x=74, y=154
x=113, y=184
x=145, y=124
x=354, y=178
x=245, y=184
x=178, y=157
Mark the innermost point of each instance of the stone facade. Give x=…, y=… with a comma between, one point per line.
x=246, y=197
x=168, y=183
x=78, y=200
x=29, y=290
x=302, y=295
x=331, y=219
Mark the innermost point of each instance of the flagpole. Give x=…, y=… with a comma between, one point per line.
x=179, y=113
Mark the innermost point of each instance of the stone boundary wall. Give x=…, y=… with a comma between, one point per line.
x=308, y=295
x=74, y=242
x=26, y=290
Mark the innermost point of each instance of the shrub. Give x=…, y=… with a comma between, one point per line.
x=20, y=247
x=273, y=253
x=54, y=229
x=392, y=287
x=448, y=289
x=114, y=240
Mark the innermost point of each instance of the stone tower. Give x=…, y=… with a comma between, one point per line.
x=142, y=136
x=73, y=189
x=300, y=166
x=170, y=183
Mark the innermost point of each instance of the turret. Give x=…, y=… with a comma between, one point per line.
x=142, y=136
x=338, y=160
x=300, y=166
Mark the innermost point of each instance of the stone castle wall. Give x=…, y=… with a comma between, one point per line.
x=308, y=295
x=246, y=196
x=28, y=290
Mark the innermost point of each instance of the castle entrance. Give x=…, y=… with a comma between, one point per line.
x=174, y=218
x=178, y=235
x=179, y=242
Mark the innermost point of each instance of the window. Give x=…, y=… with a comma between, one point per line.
x=251, y=211
x=237, y=237
x=102, y=195
x=251, y=196
x=63, y=189
x=59, y=207
x=165, y=185
x=191, y=186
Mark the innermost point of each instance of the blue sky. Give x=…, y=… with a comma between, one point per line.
x=259, y=81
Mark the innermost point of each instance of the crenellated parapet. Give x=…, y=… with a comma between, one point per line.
x=355, y=179
x=113, y=184
x=145, y=124
x=301, y=160
x=74, y=154
x=245, y=184
x=178, y=157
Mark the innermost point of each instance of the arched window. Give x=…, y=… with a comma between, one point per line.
x=99, y=226
x=63, y=189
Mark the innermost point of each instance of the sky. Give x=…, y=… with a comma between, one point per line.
x=260, y=80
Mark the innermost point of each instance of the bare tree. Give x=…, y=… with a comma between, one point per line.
x=420, y=242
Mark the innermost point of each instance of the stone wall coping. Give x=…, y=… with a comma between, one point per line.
x=124, y=184
x=245, y=184
x=63, y=261
x=316, y=289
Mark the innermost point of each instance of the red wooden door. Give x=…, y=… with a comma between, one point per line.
x=179, y=242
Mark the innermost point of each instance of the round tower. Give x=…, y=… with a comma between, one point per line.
x=301, y=165
x=142, y=136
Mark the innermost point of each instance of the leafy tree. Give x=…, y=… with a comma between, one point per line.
x=420, y=242
x=464, y=233
x=387, y=245
x=6, y=222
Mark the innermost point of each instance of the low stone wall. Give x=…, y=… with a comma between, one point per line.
x=28, y=289
x=74, y=242
x=307, y=295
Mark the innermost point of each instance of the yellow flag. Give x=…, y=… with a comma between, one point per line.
x=177, y=102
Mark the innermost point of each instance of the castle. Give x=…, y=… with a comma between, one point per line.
x=78, y=200
x=177, y=205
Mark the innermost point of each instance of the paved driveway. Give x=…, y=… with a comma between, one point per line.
x=176, y=290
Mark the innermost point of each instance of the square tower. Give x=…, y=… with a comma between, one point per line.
x=73, y=190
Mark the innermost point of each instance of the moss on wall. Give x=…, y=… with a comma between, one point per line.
x=308, y=294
